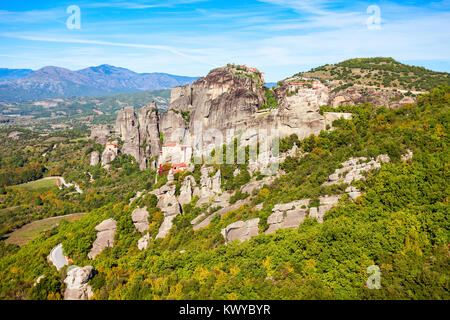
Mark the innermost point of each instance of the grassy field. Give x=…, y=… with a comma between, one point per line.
x=38, y=185
x=30, y=231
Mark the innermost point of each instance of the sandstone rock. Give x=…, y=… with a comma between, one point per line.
x=353, y=169
x=287, y=216
x=408, y=156
x=353, y=192
x=127, y=127
x=138, y=195
x=110, y=153
x=217, y=183
x=326, y=203
x=143, y=242
x=149, y=131
x=358, y=95
x=140, y=219
x=105, y=237
x=205, y=222
x=77, y=283
x=95, y=158
x=100, y=134
x=165, y=227
x=241, y=230
x=185, y=196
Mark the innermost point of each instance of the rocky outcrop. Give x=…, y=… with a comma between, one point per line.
x=140, y=219
x=110, y=153
x=287, y=216
x=290, y=215
x=127, y=127
x=143, y=242
x=378, y=97
x=326, y=203
x=186, y=190
x=241, y=230
x=105, y=237
x=170, y=207
x=353, y=169
x=149, y=131
x=100, y=134
x=210, y=189
x=200, y=223
x=95, y=158
x=77, y=283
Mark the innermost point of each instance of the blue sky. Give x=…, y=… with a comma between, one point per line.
x=190, y=37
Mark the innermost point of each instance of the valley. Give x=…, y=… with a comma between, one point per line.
x=226, y=189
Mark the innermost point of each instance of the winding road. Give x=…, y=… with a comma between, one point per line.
x=57, y=257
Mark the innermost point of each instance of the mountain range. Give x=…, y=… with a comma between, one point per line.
x=18, y=85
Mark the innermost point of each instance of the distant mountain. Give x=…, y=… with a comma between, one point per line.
x=13, y=74
x=54, y=82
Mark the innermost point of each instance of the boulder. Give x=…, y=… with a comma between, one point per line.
x=105, y=237
x=110, y=153
x=140, y=219
x=143, y=242
x=95, y=158
x=241, y=230
x=185, y=196
x=326, y=203
x=287, y=216
x=100, y=134
x=353, y=192
x=77, y=283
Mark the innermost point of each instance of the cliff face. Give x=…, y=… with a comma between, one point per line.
x=226, y=102
x=140, y=133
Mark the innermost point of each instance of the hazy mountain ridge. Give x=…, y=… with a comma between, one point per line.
x=55, y=82
x=13, y=74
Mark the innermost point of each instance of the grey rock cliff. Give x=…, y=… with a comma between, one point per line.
x=105, y=237
x=77, y=283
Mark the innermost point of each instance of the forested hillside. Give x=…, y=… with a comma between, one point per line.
x=400, y=223
x=381, y=72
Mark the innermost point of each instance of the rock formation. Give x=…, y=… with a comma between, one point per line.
x=95, y=158
x=186, y=190
x=140, y=219
x=241, y=230
x=353, y=169
x=110, y=153
x=105, y=237
x=287, y=216
x=77, y=283
x=378, y=97
x=326, y=203
x=170, y=207
x=100, y=134
x=143, y=242
x=215, y=109
x=127, y=127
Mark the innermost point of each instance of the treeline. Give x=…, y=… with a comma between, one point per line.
x=13, y=176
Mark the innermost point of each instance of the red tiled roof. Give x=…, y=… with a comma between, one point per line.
x=172, y=144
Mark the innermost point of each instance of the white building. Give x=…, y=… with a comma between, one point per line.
x=175, y=154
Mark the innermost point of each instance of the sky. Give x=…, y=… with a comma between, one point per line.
x=191, y=37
